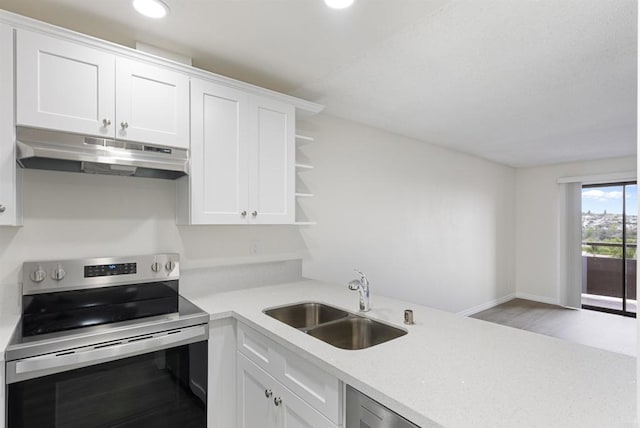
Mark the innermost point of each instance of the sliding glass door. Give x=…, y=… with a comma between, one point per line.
x=609, y=237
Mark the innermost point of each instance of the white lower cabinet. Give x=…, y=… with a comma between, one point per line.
x=312, y=384
x=221, y=392
x=264, y=402
x=279, y=386
x=255, y=396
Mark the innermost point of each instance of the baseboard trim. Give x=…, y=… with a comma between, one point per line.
x=536, y=298
x=487, y=305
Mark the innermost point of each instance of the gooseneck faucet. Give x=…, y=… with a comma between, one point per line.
x=362, y=285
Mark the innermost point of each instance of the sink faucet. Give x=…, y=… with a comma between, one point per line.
x=362, y=285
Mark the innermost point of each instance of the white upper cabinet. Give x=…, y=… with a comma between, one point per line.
x=241, y=137
x=219, y=154
x=10, y=210
x=66, y=86
x=272, y=168
x=152, y=104
x=242, y=158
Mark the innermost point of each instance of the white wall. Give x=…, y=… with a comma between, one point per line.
x=427, y=225
x=538, y=215
x=70, y=215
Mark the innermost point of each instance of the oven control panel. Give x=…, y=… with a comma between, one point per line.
x=110, y=269
x=52, y=276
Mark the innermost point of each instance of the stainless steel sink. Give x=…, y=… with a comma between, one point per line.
x=306, y=315
x=356, y=332
x=334, y=326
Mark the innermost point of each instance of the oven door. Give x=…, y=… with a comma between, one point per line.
x=152, y=381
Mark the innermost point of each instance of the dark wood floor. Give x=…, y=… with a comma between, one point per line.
x=611, y=332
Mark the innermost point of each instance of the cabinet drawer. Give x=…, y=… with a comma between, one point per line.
x=257, y=348
x=313, y=385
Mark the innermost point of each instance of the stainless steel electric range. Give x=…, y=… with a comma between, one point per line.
x=107, y=342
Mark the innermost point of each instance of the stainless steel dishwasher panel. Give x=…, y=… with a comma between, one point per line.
x=363, y=412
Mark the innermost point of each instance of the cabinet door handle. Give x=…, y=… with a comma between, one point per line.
x=254, y=213
x=268, y=393
x=277, y=401
x=2, y=208
x=106, y=122
x=124, y=125
x=243, y=213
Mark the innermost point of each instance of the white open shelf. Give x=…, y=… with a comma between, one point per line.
x=301, y=216
x=303, y=166
x=304, y=139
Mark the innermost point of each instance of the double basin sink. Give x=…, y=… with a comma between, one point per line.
x=335, y=326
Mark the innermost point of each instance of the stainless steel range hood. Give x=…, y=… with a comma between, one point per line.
x=59, y=151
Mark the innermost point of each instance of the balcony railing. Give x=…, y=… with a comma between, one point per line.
x=609, y=244
x=603, y=273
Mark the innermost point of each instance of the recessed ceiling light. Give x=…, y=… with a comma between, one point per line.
x=151, y=8
x=339, y=4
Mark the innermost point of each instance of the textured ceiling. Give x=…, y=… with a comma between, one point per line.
x=523, y=83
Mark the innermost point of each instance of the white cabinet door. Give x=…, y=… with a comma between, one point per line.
x=64, y=86
x=264, y=402
x=9, y=174
x=152, y=104
x=256, y=407
x=293, y=412
x=272, y=163
x=242, y=159
x=219, y=157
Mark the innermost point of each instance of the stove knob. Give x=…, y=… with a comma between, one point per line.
x=38, y=275
x=156, y=267
x=170, y=266
x=58, y=273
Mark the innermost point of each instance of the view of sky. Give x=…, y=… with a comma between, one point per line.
x=599, y=199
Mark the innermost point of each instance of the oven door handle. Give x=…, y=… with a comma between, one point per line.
x=47, y=364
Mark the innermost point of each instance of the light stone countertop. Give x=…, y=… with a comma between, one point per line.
x=451, y=370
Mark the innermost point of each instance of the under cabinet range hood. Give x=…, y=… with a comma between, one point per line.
x=60, y=151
